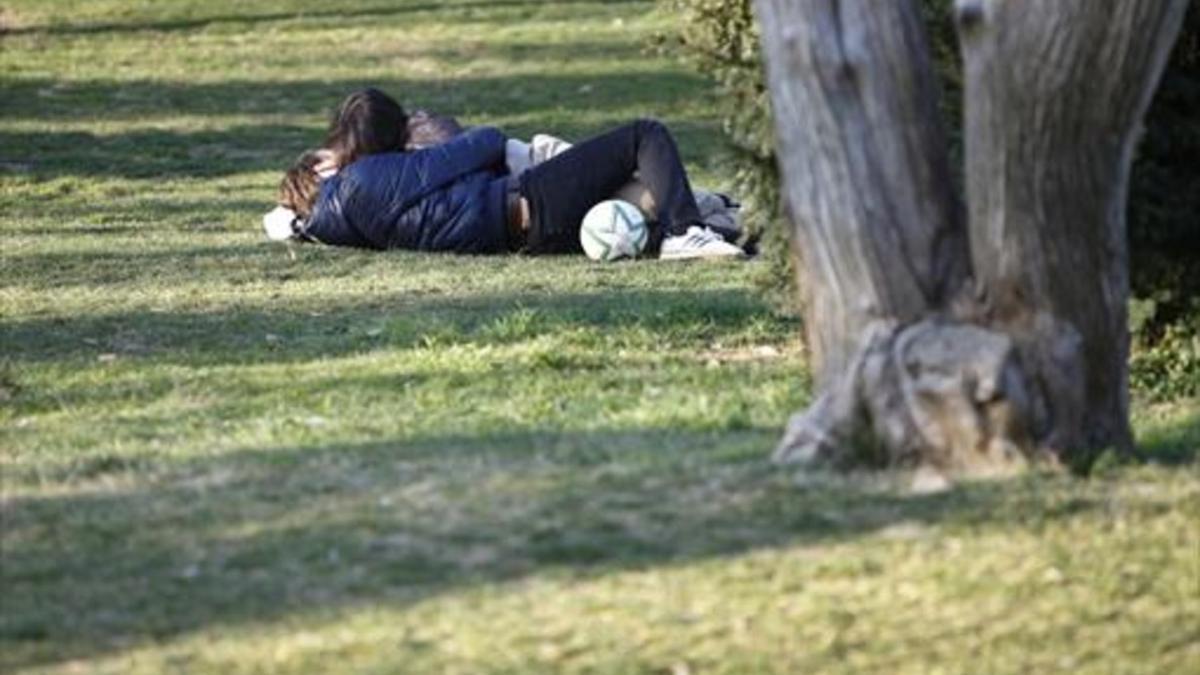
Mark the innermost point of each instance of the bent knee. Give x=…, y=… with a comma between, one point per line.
x=650, y=125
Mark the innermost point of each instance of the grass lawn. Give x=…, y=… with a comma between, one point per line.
x=221, y=455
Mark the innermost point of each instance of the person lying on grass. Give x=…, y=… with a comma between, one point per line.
x=364, y=124
x=460, y=197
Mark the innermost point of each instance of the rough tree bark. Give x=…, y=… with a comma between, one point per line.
x=967, y=343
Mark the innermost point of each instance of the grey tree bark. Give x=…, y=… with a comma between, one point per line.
x=978, y=341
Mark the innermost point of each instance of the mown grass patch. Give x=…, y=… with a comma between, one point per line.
x=221, y=455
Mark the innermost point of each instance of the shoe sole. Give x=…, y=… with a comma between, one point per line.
x=704, y=256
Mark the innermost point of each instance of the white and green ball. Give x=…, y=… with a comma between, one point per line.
x=612, y=230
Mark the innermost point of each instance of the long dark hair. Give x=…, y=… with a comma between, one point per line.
x=367, y=122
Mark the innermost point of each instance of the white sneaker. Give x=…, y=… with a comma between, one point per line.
x=698, y=242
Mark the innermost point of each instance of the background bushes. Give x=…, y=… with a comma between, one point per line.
x=720, y=38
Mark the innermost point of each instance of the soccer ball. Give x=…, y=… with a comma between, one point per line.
x=612, y=230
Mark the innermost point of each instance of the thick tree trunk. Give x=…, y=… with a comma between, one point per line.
x=867, y=181
x=916, y=363
x=1055, y=93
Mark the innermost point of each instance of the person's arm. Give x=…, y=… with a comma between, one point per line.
x=329, y=222
x=474, y=150
x=362, y=203
x=328, y=165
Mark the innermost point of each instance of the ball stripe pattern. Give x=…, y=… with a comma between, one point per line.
x=612, y=230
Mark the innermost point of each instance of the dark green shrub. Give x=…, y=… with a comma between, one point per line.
x=1169, y=366
x=1164, y=200
x=720, y=38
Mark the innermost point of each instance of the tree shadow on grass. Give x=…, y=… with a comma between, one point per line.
x=154, y=153
x=263, y=534
x=480, y=97
x=236, y=264
x=120, y=217
x=151, y=153
x=311, y=328
x=1174, y=444
x=391, y=9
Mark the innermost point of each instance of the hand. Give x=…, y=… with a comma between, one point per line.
x=328, y=165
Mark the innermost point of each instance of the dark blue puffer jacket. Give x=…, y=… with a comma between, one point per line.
x=446, y=198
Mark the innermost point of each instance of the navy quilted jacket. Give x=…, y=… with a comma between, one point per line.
x=445, y=198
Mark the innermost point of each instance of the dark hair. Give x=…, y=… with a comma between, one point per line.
x=300, y=186
x=367, y=122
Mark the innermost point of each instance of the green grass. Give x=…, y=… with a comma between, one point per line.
x=220, y=455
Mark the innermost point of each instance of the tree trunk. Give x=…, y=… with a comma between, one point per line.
x=1055, y=95
x=867, y=180
x=916, y=361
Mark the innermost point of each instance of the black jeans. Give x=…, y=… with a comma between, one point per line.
x=562, y=189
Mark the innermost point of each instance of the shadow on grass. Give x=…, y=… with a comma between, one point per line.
x=122, y=216
x=144, y=153
x=248, y=263
x=480, y=96
x=154, y=153
x=260, y=535
x=1175, y=444
x=313, y=329
x=392, y=9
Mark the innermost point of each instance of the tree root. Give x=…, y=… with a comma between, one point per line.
x=941, y=394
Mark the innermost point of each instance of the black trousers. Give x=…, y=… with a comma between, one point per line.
x=562, y=189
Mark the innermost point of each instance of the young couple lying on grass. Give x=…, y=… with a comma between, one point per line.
x=388, y=180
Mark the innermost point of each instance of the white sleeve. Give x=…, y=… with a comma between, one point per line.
x=517, y=156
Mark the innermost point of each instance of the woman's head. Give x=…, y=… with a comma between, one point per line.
x=367, y=122
x=300, y=186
